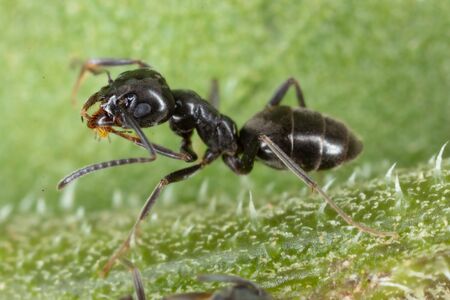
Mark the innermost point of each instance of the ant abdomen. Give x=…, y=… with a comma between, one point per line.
x=312, y=140
x=339, y=144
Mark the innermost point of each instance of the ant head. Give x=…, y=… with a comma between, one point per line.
x=141, y=94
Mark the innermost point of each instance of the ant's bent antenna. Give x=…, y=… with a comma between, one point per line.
x=100, y=166
x=291, y=165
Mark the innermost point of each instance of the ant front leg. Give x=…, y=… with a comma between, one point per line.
x=281, y=92
x=158, y=148
x=97, y=66
x=186, y=143
x=186, y=147
x=176, y=176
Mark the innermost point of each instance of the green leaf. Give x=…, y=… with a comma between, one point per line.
x=291, y=245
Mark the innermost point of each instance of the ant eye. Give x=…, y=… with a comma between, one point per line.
x=141, y=110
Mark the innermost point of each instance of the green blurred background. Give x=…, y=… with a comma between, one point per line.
x=383, y=67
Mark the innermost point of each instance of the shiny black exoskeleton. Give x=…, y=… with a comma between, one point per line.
x=281, y=137
x=313, y=141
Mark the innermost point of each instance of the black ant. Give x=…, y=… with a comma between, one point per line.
x=280, y=136
x=241, y=289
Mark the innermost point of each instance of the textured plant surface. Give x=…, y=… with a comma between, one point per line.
x=381, y=66
x=292, y=245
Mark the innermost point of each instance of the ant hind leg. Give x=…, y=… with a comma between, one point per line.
x=281, y=92
x=300, y=173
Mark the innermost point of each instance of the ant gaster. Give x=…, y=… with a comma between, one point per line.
x=281, y=137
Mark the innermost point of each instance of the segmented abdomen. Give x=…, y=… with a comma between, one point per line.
x=314, y=141
x=320, y=142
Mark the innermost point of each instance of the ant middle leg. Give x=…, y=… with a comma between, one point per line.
x=281, y=92
x=173, y=177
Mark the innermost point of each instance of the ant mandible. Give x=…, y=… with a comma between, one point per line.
x=279, y=136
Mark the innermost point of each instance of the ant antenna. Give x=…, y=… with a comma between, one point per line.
x=99, y=166
x=97, y=66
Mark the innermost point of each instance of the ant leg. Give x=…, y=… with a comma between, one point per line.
x=186, y=143
x=113, y=62
x=95, y=66
x=176, y=176
x=137, y=278
x=187, y=157
x=186, y=147
x=244, y=164
x=300, y=173
x=281, y=92
x=159, y=149
x=214, y=96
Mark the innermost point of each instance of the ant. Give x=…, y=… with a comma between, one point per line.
x=241, y=289
x=281, y=137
